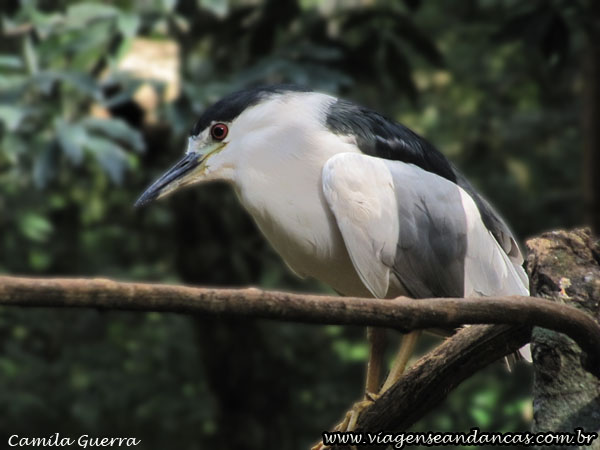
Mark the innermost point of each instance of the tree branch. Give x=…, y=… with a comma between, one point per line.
x=403, y=314
x=428, y=381
x=422, y=387
x=565, y=268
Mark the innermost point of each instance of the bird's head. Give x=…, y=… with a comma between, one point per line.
x=224, y=137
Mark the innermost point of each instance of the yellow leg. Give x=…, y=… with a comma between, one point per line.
x=404, y=353
x=377, y=342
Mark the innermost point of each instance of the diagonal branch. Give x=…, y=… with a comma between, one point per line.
x=403, y=314
x=427, y=382
x=422, y=387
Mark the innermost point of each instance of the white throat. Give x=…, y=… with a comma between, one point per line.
x=279, y=181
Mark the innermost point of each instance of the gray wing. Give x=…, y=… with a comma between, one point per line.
x=402, y=223
x=492, y=220
x=376, y=135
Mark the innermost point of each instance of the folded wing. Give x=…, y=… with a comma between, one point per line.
x=402, y=224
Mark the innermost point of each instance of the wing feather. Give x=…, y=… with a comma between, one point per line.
x=398, y=220
x=379, y=136
x=362, y=199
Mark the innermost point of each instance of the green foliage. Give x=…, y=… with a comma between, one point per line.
x=492, y=83
x=53, y=84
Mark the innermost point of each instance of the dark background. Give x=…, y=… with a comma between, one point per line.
x=506, y=89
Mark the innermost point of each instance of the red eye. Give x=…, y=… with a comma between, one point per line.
x=219, y=131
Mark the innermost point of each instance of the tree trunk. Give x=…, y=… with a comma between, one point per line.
x=565, y=268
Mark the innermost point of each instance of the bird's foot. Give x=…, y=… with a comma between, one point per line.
x=351, y=417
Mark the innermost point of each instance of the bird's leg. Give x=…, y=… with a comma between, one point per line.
x=404, y=353
x=375, y=362
x=377, y=343
x=377, y=338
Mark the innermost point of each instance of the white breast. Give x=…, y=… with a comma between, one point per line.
x=281, y=188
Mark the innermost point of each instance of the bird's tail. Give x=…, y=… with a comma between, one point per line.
x=524, y=353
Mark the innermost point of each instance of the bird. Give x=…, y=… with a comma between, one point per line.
x=354, y=199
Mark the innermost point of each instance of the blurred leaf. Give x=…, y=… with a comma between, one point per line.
x=35, y=227
x=110, y=156
x=80, y=81
x=116, y=129
x=10, y=62
x=127, y=90
x=45, y=24
x=13, y=145
x=219, y=8
x=39, y=260
x=44, y=166
x=12, y=116
x=72, y=139
x=8, y=367
x=12, y=84
x=350, y=352
x=10, y=26
x=81, y=14
x=481, y=416
x=128, y=24
x=181, y=23
x=166, y=6
x=30, y=55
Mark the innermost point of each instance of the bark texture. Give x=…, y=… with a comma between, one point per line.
x=564, y=268
x=403, y=314
x=429, y=381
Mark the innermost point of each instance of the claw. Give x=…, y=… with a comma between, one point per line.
x=354, y=413
x=372, y=396
x=351, y=417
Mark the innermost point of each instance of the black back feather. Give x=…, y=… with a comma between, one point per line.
x=376, y=135
x=379, y=136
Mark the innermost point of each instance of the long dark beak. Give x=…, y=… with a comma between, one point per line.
x=172, y=179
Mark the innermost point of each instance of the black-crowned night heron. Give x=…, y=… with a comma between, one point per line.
x=353, y=199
